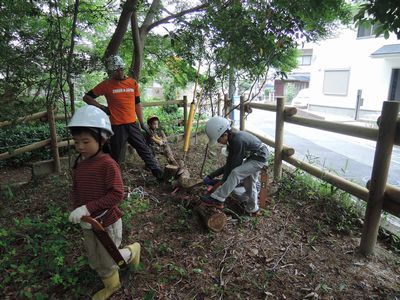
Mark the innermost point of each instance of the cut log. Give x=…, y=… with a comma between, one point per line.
x=213, y=218
x=170, y=171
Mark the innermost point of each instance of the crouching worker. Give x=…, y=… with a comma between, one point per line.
x=97, y=190
x=245, y=158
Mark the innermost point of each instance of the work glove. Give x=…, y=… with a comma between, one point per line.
x=209, y=181
x=76, y=215
x=105, y=109
x=146, y=129
x=85, y=225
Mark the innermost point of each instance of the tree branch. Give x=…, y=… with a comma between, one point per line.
x=177, y=15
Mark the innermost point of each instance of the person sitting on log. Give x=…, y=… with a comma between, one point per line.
x=245, y=158
x=157, y=141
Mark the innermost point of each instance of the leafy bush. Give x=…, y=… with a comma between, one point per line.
x=33, y=255
x=17, y=136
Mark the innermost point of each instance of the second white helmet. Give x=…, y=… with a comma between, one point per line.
x=93, y=117
x=215, y=127
x=114, y=62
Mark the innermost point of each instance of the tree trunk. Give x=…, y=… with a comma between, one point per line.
x=121, y=29
x=70, y=83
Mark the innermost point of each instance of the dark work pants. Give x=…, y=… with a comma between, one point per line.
x=131, y=133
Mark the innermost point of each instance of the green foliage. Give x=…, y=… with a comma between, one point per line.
x=14, y=137
x=254, y=36
x=34, y=253
x=169, y=118
x=134, y=204
x=338, y=209
x=380, y=12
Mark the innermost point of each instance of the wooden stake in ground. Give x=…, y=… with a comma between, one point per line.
x=264, y=188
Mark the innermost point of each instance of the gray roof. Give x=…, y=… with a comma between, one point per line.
x=387, y=51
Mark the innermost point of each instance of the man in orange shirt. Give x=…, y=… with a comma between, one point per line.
x=123, y=98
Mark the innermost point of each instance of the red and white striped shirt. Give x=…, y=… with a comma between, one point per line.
x=97, y=183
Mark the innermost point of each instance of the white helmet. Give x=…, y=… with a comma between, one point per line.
x=114, y=62
x=215, y=127
x=93, y=117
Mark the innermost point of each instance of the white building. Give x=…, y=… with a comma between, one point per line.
x=352, y=62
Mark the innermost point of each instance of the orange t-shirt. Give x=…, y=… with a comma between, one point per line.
x=120, y=95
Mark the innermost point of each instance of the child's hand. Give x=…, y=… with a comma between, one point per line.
x=76, y=215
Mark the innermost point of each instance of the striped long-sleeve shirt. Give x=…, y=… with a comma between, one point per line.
x=97, y=183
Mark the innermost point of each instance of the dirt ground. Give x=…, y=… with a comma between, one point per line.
x=287, y=253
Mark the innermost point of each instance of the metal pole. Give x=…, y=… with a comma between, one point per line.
x=383, y=153
x=358, y=104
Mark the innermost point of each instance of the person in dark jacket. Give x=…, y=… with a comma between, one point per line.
x=246, y=156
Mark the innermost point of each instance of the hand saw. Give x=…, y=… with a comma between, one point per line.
x=105, y=240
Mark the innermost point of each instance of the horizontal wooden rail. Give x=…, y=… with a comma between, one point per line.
x=392, y=194
x=270, y=142
x=28, y=148
x=346, y=129
x=162, y=103
x=25, y=119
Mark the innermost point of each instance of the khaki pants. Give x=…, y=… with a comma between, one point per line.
x=99, y=259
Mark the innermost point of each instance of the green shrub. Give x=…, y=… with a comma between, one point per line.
x=17, y=136
x=36, y=257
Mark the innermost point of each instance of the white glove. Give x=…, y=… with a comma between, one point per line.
x=76, y=215
x=85, y=225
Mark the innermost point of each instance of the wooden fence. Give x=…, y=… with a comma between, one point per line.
x=378, y=195
x=55, y=141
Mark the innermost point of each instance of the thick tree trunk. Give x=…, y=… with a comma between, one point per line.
x=121, y=29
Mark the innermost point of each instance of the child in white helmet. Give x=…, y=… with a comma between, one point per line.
x=246, y=156
x=97, y=190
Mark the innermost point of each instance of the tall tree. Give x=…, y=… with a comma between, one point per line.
x=143, y=17
x=255, y=36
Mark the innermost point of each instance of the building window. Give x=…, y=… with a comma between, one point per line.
x=305, y=57
x=336, y=82
x=304, y=60
x=366, y=30
x=394, y=91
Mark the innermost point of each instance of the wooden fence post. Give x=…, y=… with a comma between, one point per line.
x=53, y=136
x=383, y=153
x=241, y=113
x=280, y=120
x=185, y=113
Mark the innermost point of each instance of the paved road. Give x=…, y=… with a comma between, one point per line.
x=346, y=156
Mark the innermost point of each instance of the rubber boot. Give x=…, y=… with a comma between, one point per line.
x=135, y=254
x=111, y=285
